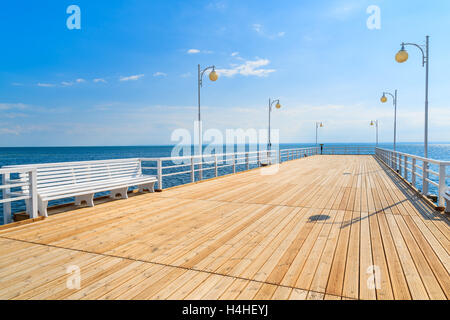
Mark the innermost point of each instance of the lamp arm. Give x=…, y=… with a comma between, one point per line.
x=272, y=102
x=206, y=69
x=424, y=57
x=393, y=97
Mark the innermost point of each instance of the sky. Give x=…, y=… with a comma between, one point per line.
x=128, y=76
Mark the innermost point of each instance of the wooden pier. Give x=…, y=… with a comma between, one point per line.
x=322, y=227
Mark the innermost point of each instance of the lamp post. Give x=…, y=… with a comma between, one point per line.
x=384, y=99
x=213, y=76
x=375, y=123
x=278, y=106
x=401, y=57
x=318, y=124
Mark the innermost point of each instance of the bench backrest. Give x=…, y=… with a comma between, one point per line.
x=57, y=175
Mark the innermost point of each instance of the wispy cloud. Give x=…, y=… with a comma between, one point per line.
x=45, y=85
x=259, y=29
x=79, y=80
x=13, y=106
x=131, y=78
x=186, y=75
x=99, y=80
x=196, y=51
x=234, y=54
x=248, y=68
x=342, y=11
x=159, y=74
x=193, y=51
x=67, y=83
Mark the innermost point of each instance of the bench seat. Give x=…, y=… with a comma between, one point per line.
x=84, y=179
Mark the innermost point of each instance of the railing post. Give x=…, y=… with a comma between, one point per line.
x=279, y=155
x=215, y=166
x=413, y=176
x=6, y=205
x=405, y=168
x=32, y=177
x=247, y=164
x=442, y=186
x=200, y=168
x=192, y=170
x=258, y=160
x=424, y=178
x=234, y=163
x=160, y=177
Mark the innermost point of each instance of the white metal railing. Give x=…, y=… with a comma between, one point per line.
x=410, y=167
x=297, y=153
x=192, y=165
x=347, y=150
x=9, y=195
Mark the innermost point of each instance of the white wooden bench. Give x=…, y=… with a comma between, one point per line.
x=447, y=200
x=84, y=179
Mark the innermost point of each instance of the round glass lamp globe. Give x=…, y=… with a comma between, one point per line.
x=213, y=76
x=383, y=99
x=278, y=106
x=401, y=56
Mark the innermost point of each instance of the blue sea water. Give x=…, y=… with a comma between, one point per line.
x=32, y=155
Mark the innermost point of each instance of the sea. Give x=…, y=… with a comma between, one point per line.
x=33, y=155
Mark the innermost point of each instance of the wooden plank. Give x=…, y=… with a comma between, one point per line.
x=240, y=226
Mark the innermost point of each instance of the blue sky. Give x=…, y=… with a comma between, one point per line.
x=128, y=77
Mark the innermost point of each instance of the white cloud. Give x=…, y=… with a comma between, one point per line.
x=98, y=80
x=131, y=78
x=45, y=85
x=80, y=80
x=67, y=84
x=13, y=106
x=195, y=51
x=344, y=11
x=186, y=75
x=160, y=74
x=17, y=84
x=234, y=54
x=248, y=68
x=259, y=29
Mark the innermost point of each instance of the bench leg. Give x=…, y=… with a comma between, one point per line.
x=89, y=198
x=447, y=206
x=122, y=192
x=150, y=187
x=42, y=207
x=28, y=207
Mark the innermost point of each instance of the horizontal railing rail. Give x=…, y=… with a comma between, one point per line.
x=411, y=166
x=348, y=150
x=292, y=154
x=11, y=183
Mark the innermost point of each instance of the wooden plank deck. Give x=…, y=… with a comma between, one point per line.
x=324, y=227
